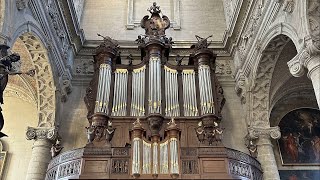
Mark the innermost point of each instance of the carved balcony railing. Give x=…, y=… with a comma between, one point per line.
x=66, y=165
x=240, y=165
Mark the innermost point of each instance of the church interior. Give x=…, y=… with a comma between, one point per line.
x=170, y=89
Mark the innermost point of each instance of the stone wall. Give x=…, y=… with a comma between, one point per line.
x=115, y=18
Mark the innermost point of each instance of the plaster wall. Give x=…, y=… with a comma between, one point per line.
x=18, y=115
x=201, y=17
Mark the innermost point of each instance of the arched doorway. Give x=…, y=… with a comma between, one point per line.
x=29, y=101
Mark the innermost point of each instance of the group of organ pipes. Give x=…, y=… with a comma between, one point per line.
x=153, y=91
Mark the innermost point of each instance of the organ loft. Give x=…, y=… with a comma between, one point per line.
x=166, y=114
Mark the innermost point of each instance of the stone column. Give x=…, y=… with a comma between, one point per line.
x=308, y=58
x=40, y=157
x=266, y=156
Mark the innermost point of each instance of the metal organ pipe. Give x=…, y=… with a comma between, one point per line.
x=103, y=92
x=205, y=90
x=171, y=91
x=138, y=92
x=155, y=85
x=120, y=95
x=189, y=93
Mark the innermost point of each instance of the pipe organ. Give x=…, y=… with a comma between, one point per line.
x=156, y=119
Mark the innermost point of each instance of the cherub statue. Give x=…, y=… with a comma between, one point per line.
x=56, y=148
x=109, y=131
x=90, y=134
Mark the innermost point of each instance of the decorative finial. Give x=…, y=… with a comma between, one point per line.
x=202, y=43
x=154, y=9
x=137, y=123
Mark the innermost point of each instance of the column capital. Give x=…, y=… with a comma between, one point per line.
x=260, y=132
x=44, y=133
x=308, y=58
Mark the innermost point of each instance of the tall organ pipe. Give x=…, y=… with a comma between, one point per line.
x=103, y=93
x=154, y=85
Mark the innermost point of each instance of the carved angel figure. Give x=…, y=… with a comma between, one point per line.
x=90, y=134
x=56, y=148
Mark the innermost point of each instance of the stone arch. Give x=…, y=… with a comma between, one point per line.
x=260, y=89
x=45, y=84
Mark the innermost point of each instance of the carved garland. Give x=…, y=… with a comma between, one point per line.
x=262, y=82
x=44, y=78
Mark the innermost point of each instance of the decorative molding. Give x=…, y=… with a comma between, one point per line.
x=288, y=6
x=42, y=133
x=57, y=25
x=132, y=22
x=120, y=152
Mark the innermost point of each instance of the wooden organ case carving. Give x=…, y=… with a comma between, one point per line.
x=156, y=120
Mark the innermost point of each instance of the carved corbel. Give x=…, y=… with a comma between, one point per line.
x=65, y=88
x=42, y=133
x=21, y=4
x=241, y=86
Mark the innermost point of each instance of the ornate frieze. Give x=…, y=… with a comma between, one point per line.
x=42, y=133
